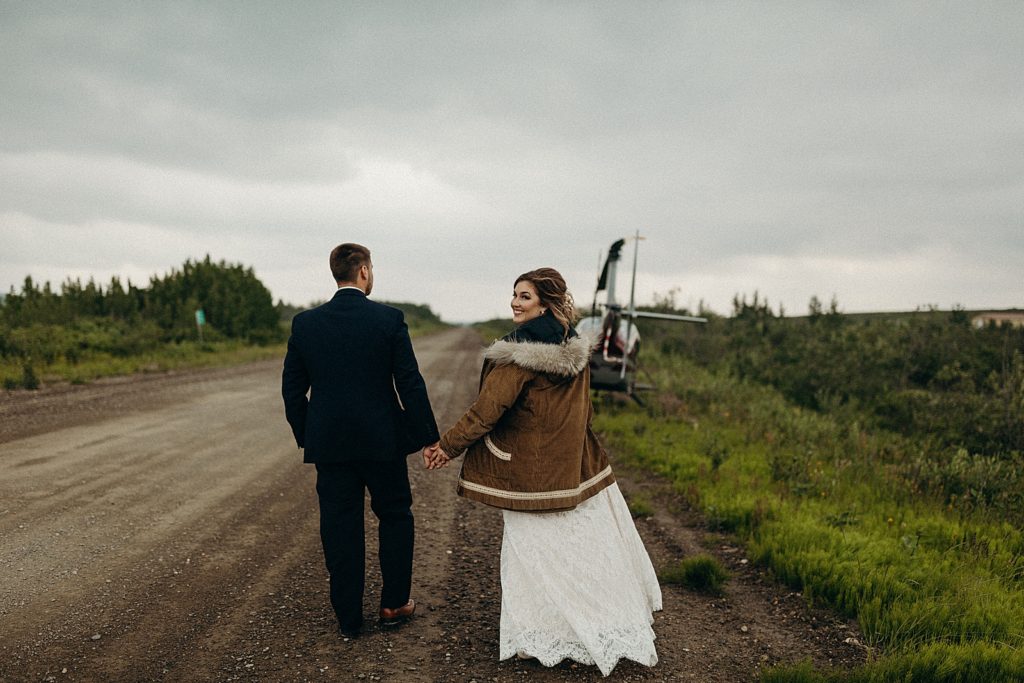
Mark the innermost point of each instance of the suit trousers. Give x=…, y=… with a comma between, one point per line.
x=340, y=488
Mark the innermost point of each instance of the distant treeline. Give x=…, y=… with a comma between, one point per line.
x=82, y=331
x=40, y=324
x=420, y=318
x=928, y=374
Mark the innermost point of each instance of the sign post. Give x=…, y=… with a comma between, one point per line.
x=200, y=321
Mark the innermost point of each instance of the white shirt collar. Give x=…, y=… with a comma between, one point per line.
x=351, y=287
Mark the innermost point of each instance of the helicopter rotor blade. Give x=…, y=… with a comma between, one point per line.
x=664, y=316
x=613, y=256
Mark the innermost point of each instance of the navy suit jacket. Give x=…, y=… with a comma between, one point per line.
x=355, y=359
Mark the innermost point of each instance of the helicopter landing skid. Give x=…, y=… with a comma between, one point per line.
x=640, y=387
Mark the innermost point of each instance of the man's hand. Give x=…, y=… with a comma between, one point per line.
x=428, y=454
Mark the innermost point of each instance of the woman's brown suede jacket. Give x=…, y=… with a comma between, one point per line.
x=528, y=441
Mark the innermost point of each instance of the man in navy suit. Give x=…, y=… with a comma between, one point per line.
x=367, y=409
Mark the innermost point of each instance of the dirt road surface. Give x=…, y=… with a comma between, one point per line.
x=164, y=528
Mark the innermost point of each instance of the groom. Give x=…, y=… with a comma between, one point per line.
x=367, y=408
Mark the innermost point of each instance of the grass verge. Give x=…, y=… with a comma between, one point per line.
x=94, y=365
x=89, y=364
x=938, y=591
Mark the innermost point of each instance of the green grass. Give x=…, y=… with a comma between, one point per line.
x=803, y=672
x=640, y=506
x=832, y=511
x=494, y=329
x=933, y=663
x=419, y=327
x=94, y=365
x=701, y=573
x=90, y=364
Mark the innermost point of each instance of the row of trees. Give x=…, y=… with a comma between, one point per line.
x=929, y=374
x=40, y=322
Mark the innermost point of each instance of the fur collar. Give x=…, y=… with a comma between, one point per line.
x=566, y=359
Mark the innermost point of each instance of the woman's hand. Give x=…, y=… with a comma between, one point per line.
x=434, y=457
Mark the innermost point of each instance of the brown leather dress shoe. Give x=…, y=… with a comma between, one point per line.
x=398, y=615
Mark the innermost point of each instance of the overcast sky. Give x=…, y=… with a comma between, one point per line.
x=870, y=151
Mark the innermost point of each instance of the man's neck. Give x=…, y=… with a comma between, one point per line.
x=350, y=285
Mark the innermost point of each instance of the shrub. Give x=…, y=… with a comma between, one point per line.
x=803, y=672
x=701, y=573
x=28, y=377
x=640, y=506
x=968, y=481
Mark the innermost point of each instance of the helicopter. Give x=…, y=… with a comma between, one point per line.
x=614, y=359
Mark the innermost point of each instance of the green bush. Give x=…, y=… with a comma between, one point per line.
x=928, y=374
x=701, y=573
x=640, y=506
x=969, y=481
x=85, y=331
x=28, y=377
x=802, y=672
x=236, y=304
x=495, y=328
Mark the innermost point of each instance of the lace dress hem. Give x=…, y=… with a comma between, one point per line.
x=578, y=585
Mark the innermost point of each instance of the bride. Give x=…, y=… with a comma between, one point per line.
x=576, y=580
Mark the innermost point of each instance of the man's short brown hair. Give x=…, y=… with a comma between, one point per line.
x=347, y=259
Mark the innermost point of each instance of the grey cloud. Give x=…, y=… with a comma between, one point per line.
x=722, y=131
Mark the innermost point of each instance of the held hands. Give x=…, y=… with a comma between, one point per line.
x=434, y=457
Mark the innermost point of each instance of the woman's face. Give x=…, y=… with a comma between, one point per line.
x=525, y=303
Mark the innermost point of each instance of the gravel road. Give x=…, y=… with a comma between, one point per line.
x=164, y=528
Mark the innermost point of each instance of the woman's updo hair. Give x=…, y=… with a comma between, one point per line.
x=553, y=294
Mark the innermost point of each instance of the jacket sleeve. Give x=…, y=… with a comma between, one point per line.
x=294, y=387
x=412, y=390
x=498, y=392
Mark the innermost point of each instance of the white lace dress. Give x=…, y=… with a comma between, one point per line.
x=578, y=585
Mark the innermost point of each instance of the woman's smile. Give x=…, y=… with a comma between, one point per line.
x=525, y=303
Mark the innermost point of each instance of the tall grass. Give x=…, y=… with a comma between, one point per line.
x=932, y=663
x=841, y=514
x=702, y=573
x=496, y=328
x=91, y=365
